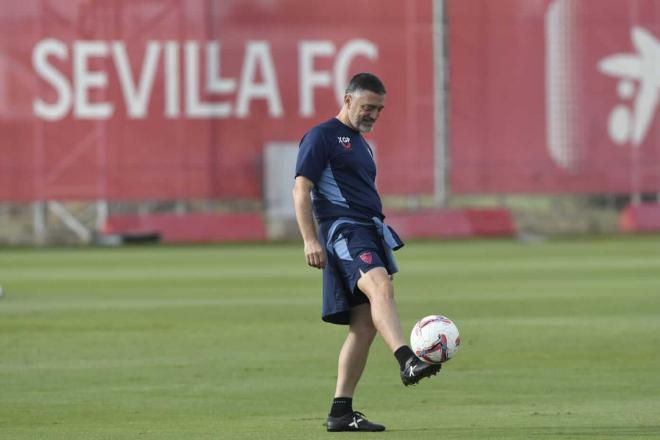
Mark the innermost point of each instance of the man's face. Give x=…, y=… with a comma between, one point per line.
x=364, y=109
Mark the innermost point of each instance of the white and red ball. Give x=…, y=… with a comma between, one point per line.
x=435, y=339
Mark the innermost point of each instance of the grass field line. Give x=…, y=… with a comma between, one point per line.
x=86, y=364
x=260, y=271
x=91, y=303
x=53, y=303
x=165, y=272
x=512, y=288
x=527, y=264
x=80, y=303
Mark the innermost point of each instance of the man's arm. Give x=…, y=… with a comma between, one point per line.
x=302, y=201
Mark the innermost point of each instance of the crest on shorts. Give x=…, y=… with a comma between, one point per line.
x=366, y=257
x=345, y=142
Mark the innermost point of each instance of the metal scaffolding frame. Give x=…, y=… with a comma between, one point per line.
x=95, y=139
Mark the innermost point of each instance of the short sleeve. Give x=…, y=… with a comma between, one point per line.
x=312, y=156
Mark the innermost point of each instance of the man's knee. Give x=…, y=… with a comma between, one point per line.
x=376, y=284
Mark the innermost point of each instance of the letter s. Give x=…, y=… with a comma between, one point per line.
x=48, y=73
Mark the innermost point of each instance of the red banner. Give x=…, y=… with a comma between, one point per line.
x=154, y=99
x=554, y=95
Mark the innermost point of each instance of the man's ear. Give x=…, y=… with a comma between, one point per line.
x=347, y=100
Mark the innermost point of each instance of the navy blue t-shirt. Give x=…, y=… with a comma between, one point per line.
x=341, y=164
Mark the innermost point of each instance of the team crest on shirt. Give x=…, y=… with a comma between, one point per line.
x=366, y=257
x=345, y=142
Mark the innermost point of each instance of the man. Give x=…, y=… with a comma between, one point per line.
x=353, y=246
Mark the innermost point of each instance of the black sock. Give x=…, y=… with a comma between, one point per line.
x=341, y=406
x=402, y=354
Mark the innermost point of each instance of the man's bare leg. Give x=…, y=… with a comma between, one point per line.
x=354, y=352
x=352, y=360
x=377, y=286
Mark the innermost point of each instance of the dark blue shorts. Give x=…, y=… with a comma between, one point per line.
x=356, y=249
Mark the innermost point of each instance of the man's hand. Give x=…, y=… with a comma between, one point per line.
x=315, y=254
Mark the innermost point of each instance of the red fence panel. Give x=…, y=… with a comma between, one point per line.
x=554, y=95
x=176, y=99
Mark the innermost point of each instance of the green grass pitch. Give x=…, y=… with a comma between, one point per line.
x=561, y=340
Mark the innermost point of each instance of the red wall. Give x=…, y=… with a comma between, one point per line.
x=554, y=95
x=110, y=99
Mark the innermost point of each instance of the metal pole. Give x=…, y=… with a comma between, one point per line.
x=39, y=221
x=102, y=210
x=440, y=118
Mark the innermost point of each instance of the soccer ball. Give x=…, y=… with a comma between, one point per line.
x=435, y=339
